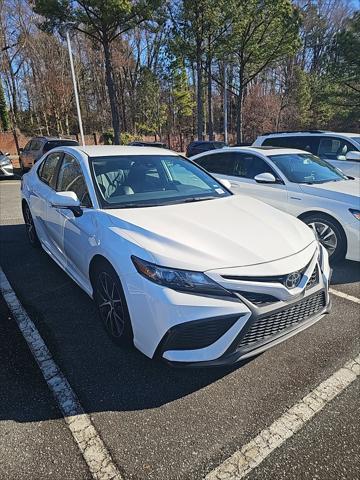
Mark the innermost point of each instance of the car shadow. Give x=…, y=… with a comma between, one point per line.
x=105, y=376
x=345, y=272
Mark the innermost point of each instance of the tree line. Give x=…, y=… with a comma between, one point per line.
x=178, y=67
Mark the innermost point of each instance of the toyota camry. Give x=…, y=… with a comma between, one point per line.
x=176, y=264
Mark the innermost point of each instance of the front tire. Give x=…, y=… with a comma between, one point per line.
x=330, y=235
x=30, y=227
x=110, y=300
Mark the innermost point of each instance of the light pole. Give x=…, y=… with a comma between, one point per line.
x=225, y=105
x=75, y=86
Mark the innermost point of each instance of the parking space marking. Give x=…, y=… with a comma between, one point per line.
x=344, y=295
x=79, y=423
x=294, y=419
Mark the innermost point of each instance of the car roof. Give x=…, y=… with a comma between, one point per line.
x=48, y=139
x=309, y=132
x=201, y=142
x=267, y=151
x=112, y=150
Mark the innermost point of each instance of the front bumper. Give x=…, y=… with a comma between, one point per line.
x=251, y=340
x=352, y=231
x=260, y=321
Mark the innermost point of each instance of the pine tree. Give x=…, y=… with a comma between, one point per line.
x=4, y=115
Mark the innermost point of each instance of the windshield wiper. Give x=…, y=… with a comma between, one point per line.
x=197, y=199
x=133, y=205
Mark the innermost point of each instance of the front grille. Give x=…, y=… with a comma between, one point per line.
x=272, y=279
x=258, y=298
x=273, y=324
x=314, y=279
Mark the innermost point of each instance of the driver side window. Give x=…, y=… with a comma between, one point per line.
x=248, y=166
x=71, y=179
x=334, y=148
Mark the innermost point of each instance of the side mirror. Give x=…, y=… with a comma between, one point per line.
x=66, y=200
x=265, y=178
x=353, y=155
x=225, y=182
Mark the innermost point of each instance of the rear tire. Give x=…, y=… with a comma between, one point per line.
x=30, y=227
x=22, y=168
x=329, y=233
x=110, y=300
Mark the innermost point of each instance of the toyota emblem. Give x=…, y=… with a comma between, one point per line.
x=292, y=280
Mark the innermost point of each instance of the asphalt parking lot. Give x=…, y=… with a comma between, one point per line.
x=157, y=422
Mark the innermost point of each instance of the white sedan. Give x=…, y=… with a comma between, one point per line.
x=177, y=264
x=298, y=183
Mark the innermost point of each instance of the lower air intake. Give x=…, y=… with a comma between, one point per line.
x=265, y=327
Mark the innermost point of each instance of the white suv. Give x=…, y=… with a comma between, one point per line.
x=340, y=149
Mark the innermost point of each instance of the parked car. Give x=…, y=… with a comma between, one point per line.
x=6, y=167
x=299, y=183
x=200, y=146
x=139, y=143
x=176, y=263
x=36, y=148
x=340, y=149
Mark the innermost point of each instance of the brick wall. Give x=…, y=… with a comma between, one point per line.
x=7, y=141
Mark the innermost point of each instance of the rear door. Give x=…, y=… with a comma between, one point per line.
x=39, y=197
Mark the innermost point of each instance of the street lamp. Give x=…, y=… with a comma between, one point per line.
x=67, y=28
x=225, y=107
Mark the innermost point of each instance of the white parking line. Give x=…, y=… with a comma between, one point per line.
x=344, y=295
x=269, y=439
x=85, y=435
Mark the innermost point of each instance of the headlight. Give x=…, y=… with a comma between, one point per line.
x=5, y=161
x=181, y=280
x=356, y=213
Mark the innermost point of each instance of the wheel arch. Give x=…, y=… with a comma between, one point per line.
x=96, y=260
x=309, y=213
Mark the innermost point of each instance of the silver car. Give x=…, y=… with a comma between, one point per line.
x=6, y=167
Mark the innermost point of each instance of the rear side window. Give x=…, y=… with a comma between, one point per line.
x=35, y=145
x=71, y=179
x=57, y=143
x=48, y=169
x=303, y=142
x=221, y=163
x=248, y=166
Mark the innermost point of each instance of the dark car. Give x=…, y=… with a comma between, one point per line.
x=139, y=143
x=36, y=148
x=200, y=146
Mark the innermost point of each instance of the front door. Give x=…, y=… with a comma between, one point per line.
x=334, y=150
x=246, y=167
x=72, y=235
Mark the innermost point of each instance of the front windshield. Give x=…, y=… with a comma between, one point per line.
x=306, y=168
x=150, y=180
x=356, y=139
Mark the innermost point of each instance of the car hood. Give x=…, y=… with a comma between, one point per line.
x=342, y=191
x=228, y=232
